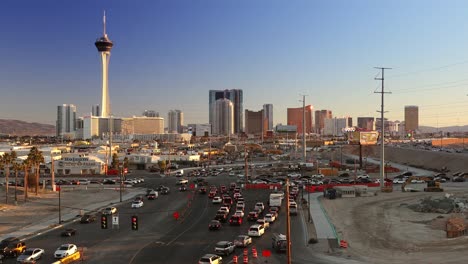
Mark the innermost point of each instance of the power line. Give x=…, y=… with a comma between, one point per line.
x=428, y=69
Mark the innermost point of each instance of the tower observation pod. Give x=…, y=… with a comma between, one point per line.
x=104, y=46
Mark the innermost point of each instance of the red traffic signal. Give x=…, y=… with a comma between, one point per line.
x=134, y=222
x=192, y=186
x=176, y=215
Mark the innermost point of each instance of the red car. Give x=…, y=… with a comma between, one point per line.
x=235, y=220
x=211, y=194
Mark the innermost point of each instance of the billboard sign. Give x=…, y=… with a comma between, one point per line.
x=363, y=138
x=369, y=138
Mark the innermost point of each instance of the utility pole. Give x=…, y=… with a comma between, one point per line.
x=382, y=127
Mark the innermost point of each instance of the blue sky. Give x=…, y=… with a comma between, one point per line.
x=168, y=54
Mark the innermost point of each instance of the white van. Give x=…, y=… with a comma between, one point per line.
x=256, y=230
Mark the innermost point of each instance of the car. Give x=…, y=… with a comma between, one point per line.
x=242, y=241
x=239, y=213
x=214, y=225
x=137, y=204
x=83, y=182
x=252, y=216
x=30, y=254
x=202, y=190
x=212, y=194
x=129, y=182
x=216, y=200
x=263, y=222
x=458, y=179
x=256, y=230
x=225, y=247
x=398, y=181
x=210, y=259
x=292, y=204
x=224, y=208
x=182, y=181
x=165, y=190
x=221, y=216
x=259, y=182
x=235, y=220
x=270, y=218
x=69, y=232
x=183, y=188
x=160, y=188
x=87, y=218
x=65, y=250
x=152, y=195
x=260, y=206
x=11, y=246
x=237, y=195
x=109, y=211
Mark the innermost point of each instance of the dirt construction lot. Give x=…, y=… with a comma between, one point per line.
x=382, y=229
x=44, y=207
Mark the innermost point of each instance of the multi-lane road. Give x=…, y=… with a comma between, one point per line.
x=162, y=239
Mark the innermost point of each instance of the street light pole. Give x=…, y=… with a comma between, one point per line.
x=308, y=199
x=288, y=225
x=60, y=205
x=121, y=183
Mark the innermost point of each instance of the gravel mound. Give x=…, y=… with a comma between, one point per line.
x=446, y=205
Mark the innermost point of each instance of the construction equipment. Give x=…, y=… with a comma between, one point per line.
x=432, y=186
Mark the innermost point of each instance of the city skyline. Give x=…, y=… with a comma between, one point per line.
x=168, y=55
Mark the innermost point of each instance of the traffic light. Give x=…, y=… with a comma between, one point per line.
x=134, y=222
x=104, y=221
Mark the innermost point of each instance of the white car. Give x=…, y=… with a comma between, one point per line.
x=398, y=181
x=65, y=250
x=256, y=230
x=109, y=211
x=182, y=181
x=263, y=222
x=137, y=204
x=292, y=204
x=30, y=254
x=224, y=209
x=217, y=200
x=270, y=218
x=259, y=182
x=239, y=213
x=259, y=206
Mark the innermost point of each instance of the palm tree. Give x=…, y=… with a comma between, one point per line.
x=36, y=158
x=7, y=160
x=26, y=165
x=16, y=167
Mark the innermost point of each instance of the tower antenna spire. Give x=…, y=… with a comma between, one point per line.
x=104, y=22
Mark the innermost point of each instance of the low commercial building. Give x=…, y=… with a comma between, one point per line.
x=79, y=164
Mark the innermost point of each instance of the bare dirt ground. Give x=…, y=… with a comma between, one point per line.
x=382, y=229
x=44, y=207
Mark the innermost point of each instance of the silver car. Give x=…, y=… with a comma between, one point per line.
x=30, y=254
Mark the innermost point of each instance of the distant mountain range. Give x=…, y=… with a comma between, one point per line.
x=21, y=128
x=451, y=129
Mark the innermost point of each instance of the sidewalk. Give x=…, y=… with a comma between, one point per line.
x=323, y=226
x=68, y=216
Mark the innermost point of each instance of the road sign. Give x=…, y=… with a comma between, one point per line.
x=176, y=215
x=115, y=220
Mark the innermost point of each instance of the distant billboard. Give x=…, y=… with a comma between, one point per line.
x=286, y=129
x=363, y=138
